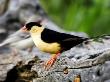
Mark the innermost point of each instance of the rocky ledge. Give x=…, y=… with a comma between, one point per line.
x=89, y=60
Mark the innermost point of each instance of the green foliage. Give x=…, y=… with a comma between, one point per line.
x=90, y=16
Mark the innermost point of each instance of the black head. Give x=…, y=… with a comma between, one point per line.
x=31, y=24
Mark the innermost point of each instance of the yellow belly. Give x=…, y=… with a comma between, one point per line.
x=46, y=47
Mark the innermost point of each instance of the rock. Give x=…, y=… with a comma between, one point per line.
x=3, y=6
x=3, y=34
x=90, y=61
x=9, y=61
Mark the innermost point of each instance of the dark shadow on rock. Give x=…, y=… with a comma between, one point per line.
x=12, y=75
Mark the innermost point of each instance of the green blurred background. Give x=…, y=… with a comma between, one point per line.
x=90, y=16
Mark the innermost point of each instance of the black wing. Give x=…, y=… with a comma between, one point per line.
x=66, y=40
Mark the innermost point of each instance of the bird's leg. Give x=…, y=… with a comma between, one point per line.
x=14, y=51
x=30, y=49
x=51, y=61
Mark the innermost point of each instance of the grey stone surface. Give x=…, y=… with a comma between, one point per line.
x=90, y=60
x=8, y=61
x=93, y=68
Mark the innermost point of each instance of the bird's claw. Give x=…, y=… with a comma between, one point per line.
x=50, y=62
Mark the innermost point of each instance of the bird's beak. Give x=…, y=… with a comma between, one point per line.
x=24, y=29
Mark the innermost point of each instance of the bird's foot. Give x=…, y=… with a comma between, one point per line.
x=14, y=52
x=30, y=49
x=50, y=62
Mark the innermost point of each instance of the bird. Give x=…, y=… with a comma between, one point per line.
x=19, y=40
x=51, y=41
x=23, y=44
x=16, y=36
